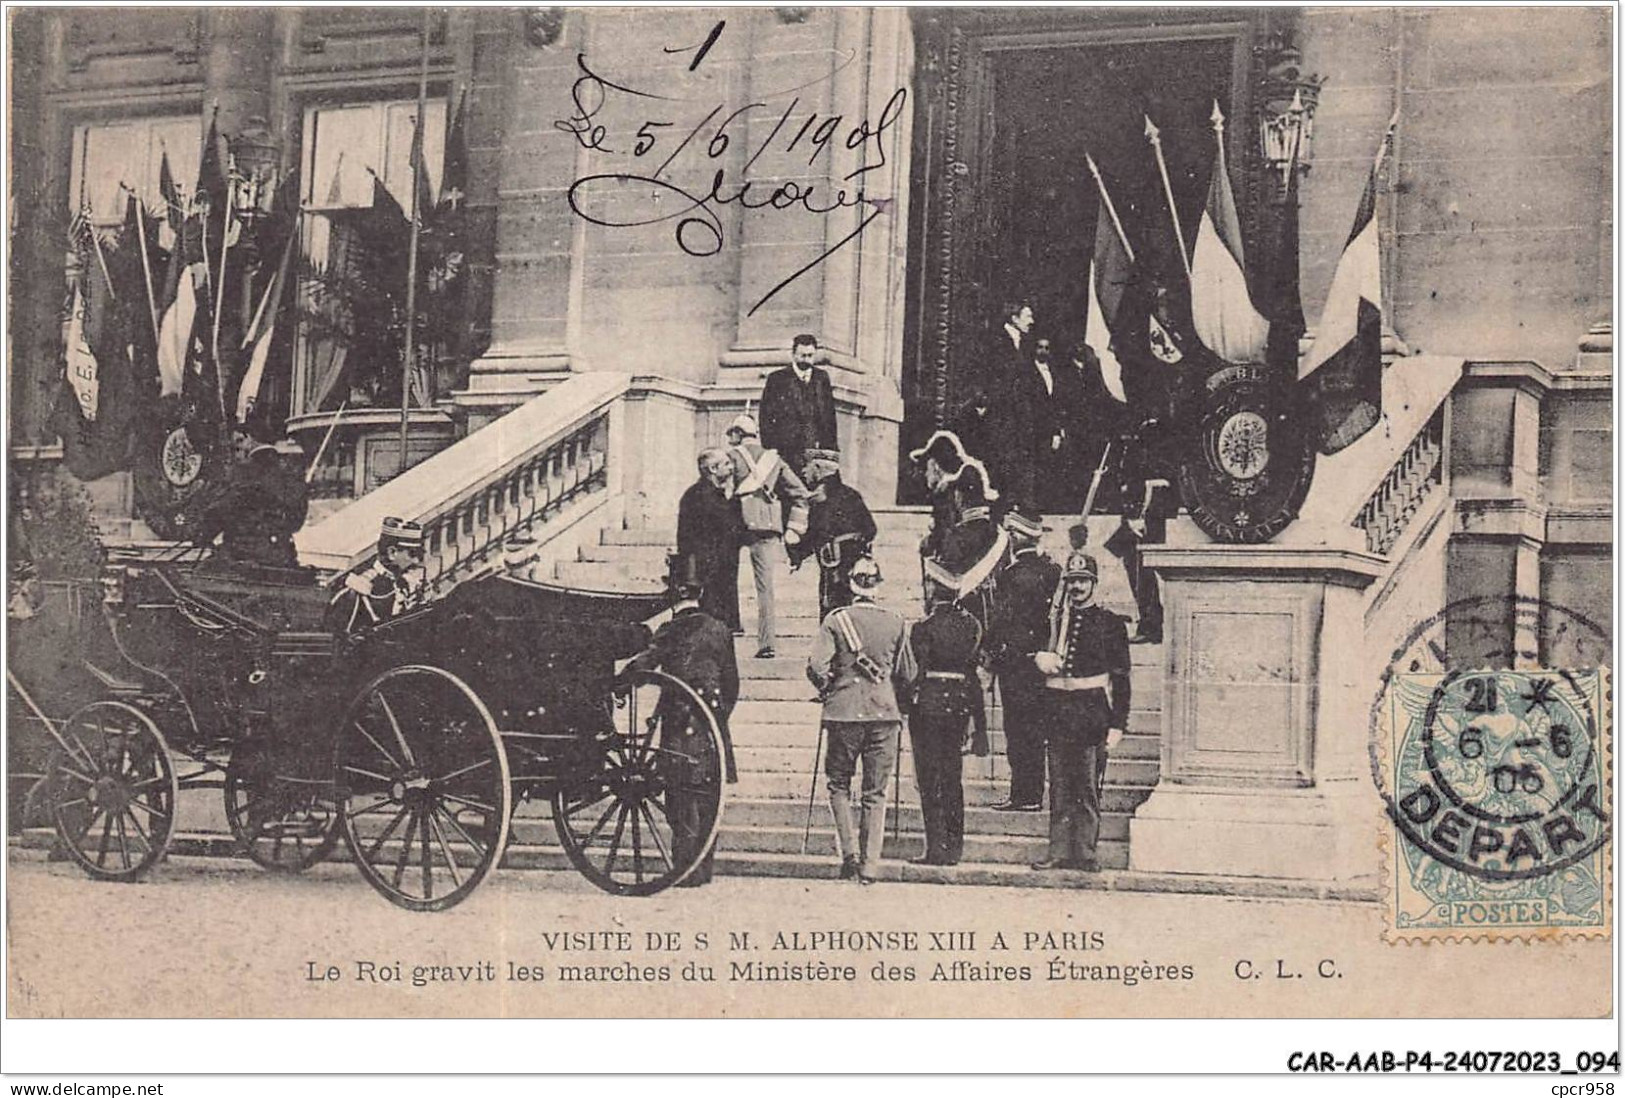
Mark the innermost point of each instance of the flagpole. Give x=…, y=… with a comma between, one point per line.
x=1154, y=135
x=146, y=263
x=101, y=260
x=1106, y=200
x=219, y=307
x=409, y=358
x=310, y=474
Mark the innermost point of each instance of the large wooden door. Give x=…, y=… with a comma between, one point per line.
x=1007, y=102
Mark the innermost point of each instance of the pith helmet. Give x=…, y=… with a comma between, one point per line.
x=745, y=425
x=864, y=573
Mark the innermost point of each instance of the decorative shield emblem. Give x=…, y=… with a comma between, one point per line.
x=179, y=460
x=1251, y=466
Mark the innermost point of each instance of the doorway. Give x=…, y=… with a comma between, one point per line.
x=1008, y=102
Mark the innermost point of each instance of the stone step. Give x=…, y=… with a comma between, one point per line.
x=643, y=556
x=980, y=791
x=645, y=535
x=790, y=660
x=1147, y=694
x=747, y=812
x=1143, y=739
x=799, y=759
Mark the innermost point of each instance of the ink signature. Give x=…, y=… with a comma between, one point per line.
x=698, y=228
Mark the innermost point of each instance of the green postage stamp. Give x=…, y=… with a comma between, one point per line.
x=1499, y=800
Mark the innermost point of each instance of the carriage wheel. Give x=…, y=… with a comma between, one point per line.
x=281, y=824
x=113, y=791
x=646, y=812
x=424, y=789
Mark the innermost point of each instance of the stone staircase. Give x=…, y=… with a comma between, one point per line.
x=775, y=727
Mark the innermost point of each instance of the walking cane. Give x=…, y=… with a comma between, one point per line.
x=897, y=791
x=812, y=788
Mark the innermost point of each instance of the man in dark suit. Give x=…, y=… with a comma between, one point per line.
x=710, y=529
x=258, y=510
x=1009, y=361
x=1019, y=628
x=798, y=407
x=1148, y=498
x=1051, y=397
x=697, y=648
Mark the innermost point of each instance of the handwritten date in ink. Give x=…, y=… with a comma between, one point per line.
x=665, y=133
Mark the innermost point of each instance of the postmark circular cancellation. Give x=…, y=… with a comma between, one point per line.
x=1496, y=776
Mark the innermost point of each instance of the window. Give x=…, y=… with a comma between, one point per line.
x=129, y=151
x=336, y=361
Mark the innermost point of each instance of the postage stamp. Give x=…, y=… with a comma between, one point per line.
x=1497, y=783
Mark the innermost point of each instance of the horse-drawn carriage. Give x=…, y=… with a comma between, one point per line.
x=413, y=741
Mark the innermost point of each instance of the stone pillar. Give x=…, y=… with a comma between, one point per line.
x=1499, y=517
x=242, y=42
x=1264, y=737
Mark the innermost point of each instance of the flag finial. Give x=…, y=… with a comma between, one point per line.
x=1152, y=134
x=1217, y=118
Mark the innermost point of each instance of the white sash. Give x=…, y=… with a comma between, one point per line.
x=761, y=472
x=977, y=574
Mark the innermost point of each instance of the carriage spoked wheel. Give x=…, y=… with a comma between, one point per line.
x=644, y=812
x=112, y=791
x=282, y=822
x=423, y=781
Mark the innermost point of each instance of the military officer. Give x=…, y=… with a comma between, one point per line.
x=862, y=666
x=972, y=550
x=947, y=705
x=258, y=509
x=1084, y=702
x=370, y=598
x=697, y=648
x=840, y=529
x=1019, y=628
x=940, y=458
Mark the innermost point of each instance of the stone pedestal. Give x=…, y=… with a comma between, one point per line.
x=1264, y=760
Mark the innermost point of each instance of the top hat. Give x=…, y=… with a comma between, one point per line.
x=744, y=424
x=683, y=576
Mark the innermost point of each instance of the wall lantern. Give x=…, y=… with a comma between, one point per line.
x=1286, y=113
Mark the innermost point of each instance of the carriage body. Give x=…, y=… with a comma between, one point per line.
x=412, y=741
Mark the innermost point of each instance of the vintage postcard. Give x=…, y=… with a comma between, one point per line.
x=816, y=512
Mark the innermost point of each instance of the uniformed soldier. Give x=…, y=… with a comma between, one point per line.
x=697, y=648
x=947, y=705
x=940, y=458
x=863, y=666
x=1020, y=627
x=971, y=552
x=1085, y=706
x=258, y=510
x=370, y=598
x=840, y=529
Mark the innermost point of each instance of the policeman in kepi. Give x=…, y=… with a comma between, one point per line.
x=1084, y=704
x=947, y=707
x=699, y=649
x=385, y=590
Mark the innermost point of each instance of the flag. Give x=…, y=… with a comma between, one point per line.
x=1109, y=275
x=444, y=247
x=96, y=411
x=1279, y=286
x=1222, y=310
x=280, y=237
x=1342, y=374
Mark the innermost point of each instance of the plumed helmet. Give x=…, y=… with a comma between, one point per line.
x=1080, y=565
x=864, y=573
x=972, y=479
x=745, y=425
x=944, y=448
